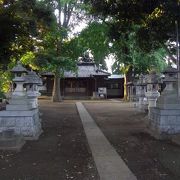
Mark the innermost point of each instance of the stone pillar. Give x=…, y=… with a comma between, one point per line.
x=152, y=93
x=130, y=86
x=140, y=92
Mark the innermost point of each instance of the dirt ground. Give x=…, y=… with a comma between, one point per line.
x=60, y=153
x=124, y=127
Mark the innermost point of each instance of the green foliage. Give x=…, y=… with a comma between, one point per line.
x=23, y=24
x=56, y=64
x=54, y=54
x=156, y=19
x=129, y=54
x=95, y=38
x=138, y=31
x=28, y=59
x=5, y=82
x=71, y=48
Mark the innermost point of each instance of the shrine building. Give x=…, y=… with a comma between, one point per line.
x=85, y=83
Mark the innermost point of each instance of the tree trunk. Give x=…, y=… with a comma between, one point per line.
x=127, y=78
x=125, y=87
x=56, y=95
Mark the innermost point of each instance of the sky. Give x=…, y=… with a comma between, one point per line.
x=109, y=61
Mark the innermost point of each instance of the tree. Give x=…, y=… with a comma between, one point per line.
x=23, y=23
x=95, y=38
x=39, y=39
x=156, y=19
x=132, y=61
x=139, y=30
x=67, y=12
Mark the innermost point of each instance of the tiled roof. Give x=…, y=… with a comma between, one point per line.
x=84, y=70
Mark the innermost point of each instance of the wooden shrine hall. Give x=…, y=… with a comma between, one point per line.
x=80, y=84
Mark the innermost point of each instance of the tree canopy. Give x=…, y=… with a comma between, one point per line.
x=58, y=45
x=95, y=38
x=23, y=24
x=150, y=23
x=156, y=18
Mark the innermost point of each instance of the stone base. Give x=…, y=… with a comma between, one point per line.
x=164, y=123
x=11, y=142
x=25, y=123
x=35, y=137
x=157, y=134
x=176, y=139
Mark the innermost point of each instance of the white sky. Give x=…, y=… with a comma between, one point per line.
x=109, y=61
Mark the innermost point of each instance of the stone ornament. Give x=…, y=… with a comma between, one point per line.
x=22, y=112
x=165, y=117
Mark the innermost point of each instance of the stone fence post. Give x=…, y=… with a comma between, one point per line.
x=140, y=92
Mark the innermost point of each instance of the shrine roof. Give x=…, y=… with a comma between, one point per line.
x=84, y=70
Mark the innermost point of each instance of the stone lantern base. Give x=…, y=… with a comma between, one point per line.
x=164, y=122
x=10, y=141
x=25, y=122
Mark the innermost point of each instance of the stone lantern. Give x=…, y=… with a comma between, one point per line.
x=19, y=101
x=32, y=82
x=169, y=95
x=165, y=117
x=19, y=71
x=21, y=115
x=152, y=89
